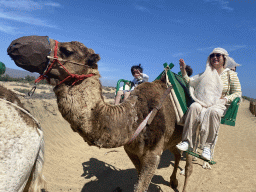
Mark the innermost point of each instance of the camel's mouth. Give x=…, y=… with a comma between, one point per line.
x=30, y=53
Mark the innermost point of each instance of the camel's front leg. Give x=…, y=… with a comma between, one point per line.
x=173, y=178
x=188, y=170
x=149, y=164
x=135, y=160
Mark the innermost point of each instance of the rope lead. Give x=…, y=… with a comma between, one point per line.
x=32, y=91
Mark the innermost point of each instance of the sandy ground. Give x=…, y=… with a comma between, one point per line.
x=71, y=165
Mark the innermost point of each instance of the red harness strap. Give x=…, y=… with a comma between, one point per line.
x=71, y=76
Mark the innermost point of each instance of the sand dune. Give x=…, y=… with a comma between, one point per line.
x=71, y=165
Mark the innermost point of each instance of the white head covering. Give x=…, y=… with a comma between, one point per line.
x=230, y=62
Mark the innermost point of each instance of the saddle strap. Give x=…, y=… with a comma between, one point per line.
x=156, y=109
x=150, y=116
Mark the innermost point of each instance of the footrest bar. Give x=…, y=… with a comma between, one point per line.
x=199, y=156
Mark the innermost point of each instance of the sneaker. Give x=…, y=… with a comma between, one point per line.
x=206, y=154
x=183, y=146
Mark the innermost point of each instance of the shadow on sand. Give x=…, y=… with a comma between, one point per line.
x=107, y=178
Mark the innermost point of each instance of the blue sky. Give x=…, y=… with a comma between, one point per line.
x=150, y=32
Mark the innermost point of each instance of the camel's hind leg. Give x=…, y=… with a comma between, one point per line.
x=173, y=178
x=188, y=170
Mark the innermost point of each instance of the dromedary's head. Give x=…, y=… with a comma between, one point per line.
x=36, y=54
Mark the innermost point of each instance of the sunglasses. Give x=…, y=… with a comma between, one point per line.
x=217, y=55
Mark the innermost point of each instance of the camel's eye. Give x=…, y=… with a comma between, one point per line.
x=66, y=51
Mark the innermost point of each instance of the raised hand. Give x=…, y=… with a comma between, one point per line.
x=182, y=67
x=182, y=64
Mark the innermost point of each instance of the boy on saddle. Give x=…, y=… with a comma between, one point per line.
x=139, y=77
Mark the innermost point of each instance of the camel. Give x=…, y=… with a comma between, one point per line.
x=73, y=71
x=21, y=146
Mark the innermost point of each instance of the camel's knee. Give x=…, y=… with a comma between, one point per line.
x=148, y=168
x=188, y=170
x=150, y=164
x=135, y=160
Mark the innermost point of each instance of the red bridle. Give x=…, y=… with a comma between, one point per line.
x=71, y=76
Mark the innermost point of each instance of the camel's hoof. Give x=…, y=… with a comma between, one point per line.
x=174, y=183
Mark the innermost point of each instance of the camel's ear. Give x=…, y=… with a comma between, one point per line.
x=93, y=59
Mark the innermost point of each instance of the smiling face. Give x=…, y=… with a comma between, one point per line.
x=217, y=60
x=136, y=74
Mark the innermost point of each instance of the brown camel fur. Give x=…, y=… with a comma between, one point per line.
x=107, y=126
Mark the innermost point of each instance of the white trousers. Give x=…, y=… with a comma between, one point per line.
x=209, y=124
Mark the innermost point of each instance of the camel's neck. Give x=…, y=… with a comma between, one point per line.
x=98, y=123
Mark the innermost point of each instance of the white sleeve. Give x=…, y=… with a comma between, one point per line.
x=145, y=77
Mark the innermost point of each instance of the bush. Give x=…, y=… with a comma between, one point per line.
x=22, y=90
x=27, y=79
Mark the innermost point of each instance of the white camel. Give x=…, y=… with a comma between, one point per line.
x=21, y=147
